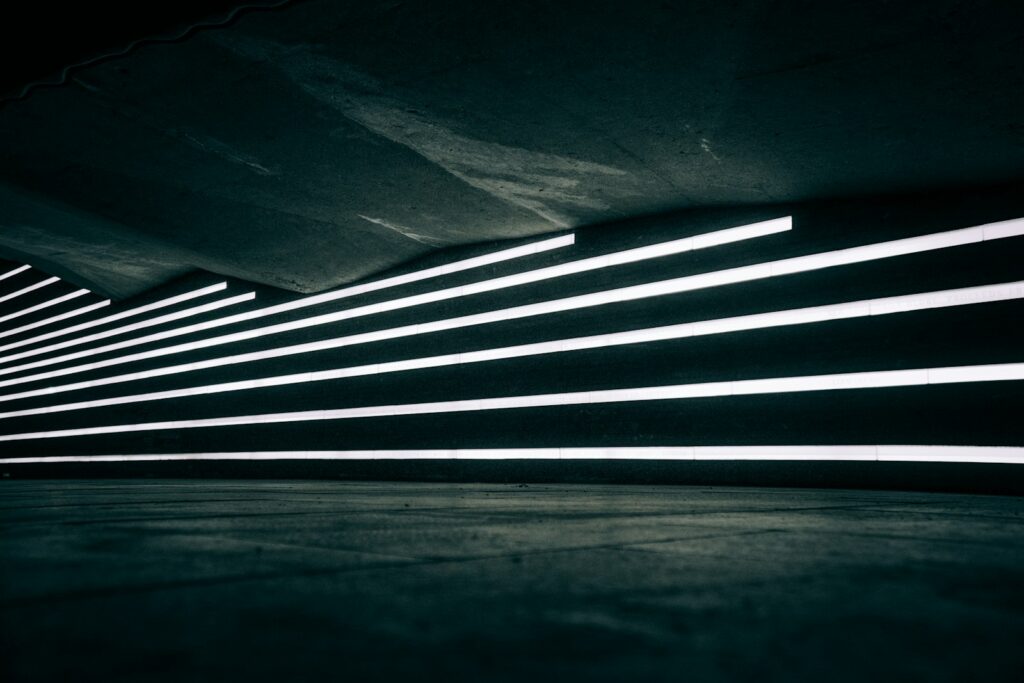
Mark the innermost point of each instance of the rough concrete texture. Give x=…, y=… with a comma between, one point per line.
x=259, y=581
x=322, y=142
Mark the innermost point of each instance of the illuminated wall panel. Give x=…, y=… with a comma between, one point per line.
x=771, y=339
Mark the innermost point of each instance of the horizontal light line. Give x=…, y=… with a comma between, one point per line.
x=952, y=454
x=800, y=316
x=56, y=318
x=124, y=329
x=30, y=288
x=673, y=286
x=677, y=246
x=830, y=382
x=45, y=304
x=113, y=318
x=570, y=303
x=12, y=273
x=195, y=310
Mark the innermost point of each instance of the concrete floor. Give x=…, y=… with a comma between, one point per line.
x=283, y=581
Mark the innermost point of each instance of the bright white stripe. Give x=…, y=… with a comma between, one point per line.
x=958, y=454
x=188, y=312
x=677, y=246
x=124, y=329
x=56, y=318
x=12, y=273
x=45, y=304
x=457, y=266
x=30, y=288
x=163, y=303
x=868, y=307
x=831, y=382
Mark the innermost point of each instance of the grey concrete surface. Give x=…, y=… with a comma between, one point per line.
x=326, y=141
x=179, y=580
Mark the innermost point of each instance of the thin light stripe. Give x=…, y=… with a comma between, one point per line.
x=12, y=273
x=163, y=303
x=830, y=382
x=57, y=318
x=124, y=329
x=45, y=304
x=675, y=286
x=711, y=239
x=30, y=288
x=189, y=312
x=882, y=453
x=634, y=292
x=854, y=309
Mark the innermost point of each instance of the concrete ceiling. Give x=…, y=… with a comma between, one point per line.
x=325, y=140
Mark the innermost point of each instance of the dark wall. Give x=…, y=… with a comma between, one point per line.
x=967, y=414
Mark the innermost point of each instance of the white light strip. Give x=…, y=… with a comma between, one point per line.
x=57, y=318
x=163, y=303
x=458, y=266
x=188, y=312
x=12, y=273
x=800, y=316
x=831, y=382
x=677, y=246
x=45, y=304
x=677, y=285
x=30, y=288
x=1012, y=455
x=124, y=329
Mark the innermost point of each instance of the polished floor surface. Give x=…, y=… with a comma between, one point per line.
x=201, y=580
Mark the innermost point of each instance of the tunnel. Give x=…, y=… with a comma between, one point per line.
x=455, y=341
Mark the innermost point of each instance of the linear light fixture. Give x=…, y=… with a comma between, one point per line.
x=139, y=310
x=774, y=385
x=124, y=329
x=677, y=285
x=676, y=246
x=854, y=309
x=177, y=315
x=12, y=273
x=57, y=318
x=457, y=266
x=1013, y=455
x=30, y=288
x=45, y=304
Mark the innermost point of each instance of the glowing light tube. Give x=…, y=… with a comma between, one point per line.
x=195, y=310
x=57, y=318
x=1013, y=455
x=45, y=304
x=831, y=382
x=30, y=288
x=854, y=309
x=458, y=266
x=124, y=329
x=677, y=246
x=12, y=273
x=139, y=310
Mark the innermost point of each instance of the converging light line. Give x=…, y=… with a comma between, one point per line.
x=854, y=309
x=677, y=246
x=830, y=382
